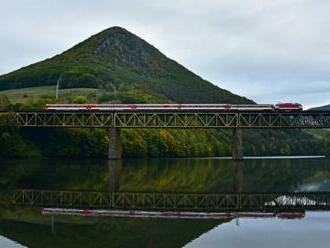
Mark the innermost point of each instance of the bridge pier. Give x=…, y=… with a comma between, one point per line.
x=237, y=144
x=115, y=147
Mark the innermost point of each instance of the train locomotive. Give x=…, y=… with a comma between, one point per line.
x=280, y=107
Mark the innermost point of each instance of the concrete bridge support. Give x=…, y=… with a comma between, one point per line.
x=115, y=147
x=237, y=144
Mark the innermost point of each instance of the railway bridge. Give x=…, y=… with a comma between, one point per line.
x=115, y=120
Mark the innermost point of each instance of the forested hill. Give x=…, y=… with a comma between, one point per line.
x=114, y=59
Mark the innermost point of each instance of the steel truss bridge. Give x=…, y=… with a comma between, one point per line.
x=173, y=201
x=172, y=119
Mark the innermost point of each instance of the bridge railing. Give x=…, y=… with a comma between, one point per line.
x=174, y=201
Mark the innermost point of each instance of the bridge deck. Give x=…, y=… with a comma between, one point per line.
x=172, y=119
x=173, y=201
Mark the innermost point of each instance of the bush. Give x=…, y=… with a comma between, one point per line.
x=80, y=100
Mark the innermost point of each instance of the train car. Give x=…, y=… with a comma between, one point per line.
x=177, y=107
x=288, y=106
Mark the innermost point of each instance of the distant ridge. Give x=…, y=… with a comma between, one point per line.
x=115, y=59
x=322, y=108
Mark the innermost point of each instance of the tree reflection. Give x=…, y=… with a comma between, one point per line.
x=170, y=175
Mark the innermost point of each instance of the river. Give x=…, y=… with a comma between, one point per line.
x=25, y=227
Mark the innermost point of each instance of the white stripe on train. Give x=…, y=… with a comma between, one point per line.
x=121, y=107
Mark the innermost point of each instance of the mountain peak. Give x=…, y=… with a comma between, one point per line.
x=117, y=37
x=116, y=57
x=116, y=29
x=113, y=32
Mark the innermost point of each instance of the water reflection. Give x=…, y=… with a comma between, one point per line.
x=116, y=167
x=9, y=243
x=154, y=175
x=27, y=227
x=238, y=176
x=312, y=231
x=169, y=175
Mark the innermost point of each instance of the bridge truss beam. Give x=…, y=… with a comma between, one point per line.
x=132, y=119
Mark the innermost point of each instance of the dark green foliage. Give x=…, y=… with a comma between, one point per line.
x=275, y=142
x=69, y=142
x=324, y=137
x=173, y=143
x=78, y=79
x=4, y=103
x=12, y=144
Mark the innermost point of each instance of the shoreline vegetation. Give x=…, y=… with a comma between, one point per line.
x=142, y=143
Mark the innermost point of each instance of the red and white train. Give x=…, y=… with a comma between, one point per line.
x=285, y=107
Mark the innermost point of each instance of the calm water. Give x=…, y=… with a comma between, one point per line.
x=312, y=231
x=4, y=242
x=27, y=227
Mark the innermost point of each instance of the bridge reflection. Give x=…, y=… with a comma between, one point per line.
x=198, y=184
x=174, y=201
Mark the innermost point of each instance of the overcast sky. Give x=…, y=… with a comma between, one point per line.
x=269, y=51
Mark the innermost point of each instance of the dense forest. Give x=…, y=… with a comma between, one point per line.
x=15, y=142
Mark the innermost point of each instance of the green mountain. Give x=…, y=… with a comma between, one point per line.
x=116, y=59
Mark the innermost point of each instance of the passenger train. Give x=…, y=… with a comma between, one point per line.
x=284, y=107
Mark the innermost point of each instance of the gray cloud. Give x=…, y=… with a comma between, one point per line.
x=270, y=51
